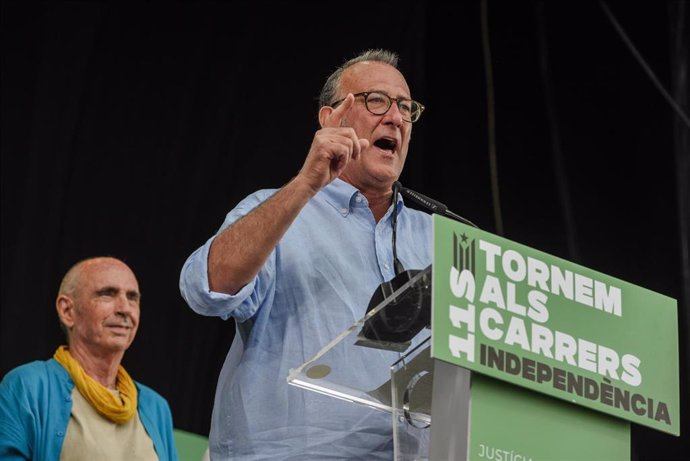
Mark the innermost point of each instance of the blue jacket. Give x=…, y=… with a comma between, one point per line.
x=35, y=406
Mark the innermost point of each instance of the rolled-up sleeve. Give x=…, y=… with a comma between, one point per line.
x=194, y=285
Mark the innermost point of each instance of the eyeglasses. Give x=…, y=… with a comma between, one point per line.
x=379, y=103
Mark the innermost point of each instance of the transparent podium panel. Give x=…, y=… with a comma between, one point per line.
x=379, y=361
x=411, y=391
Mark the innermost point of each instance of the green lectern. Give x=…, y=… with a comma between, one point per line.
x=499, y=351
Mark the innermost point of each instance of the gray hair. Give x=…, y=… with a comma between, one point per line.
x=329, y=92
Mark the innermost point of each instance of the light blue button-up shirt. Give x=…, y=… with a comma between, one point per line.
x=317, y=282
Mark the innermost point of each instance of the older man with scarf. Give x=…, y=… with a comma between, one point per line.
x=82, y=404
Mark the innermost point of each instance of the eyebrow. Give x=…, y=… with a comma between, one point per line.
x=111, y=291
x=406, y=98
x=107, y=291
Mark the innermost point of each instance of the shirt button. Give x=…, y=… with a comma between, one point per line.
x=386, y=266
x=358, y=199
x=343, y=211
x=60, y=433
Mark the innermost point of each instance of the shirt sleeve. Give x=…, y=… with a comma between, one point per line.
x=194, y=285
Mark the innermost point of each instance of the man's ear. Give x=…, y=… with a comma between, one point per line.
x=65, y=310
x=324, y=113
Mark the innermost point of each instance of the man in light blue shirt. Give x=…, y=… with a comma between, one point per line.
x=298, y=265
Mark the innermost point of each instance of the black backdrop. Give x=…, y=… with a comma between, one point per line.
x=130, y=129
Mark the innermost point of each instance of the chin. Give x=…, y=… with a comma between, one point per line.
x=121, y=344
x=387, y=177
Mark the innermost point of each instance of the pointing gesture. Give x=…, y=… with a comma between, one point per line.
x=333, y=147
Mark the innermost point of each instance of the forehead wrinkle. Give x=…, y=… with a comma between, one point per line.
x=369, y=73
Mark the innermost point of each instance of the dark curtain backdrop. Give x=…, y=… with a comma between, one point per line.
x=131, y=129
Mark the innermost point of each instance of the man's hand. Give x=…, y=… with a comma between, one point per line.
x=333, y=147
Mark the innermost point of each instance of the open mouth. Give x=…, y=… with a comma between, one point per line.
x=387, y=144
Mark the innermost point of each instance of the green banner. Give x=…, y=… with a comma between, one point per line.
x=529, y=318
x=512, y=423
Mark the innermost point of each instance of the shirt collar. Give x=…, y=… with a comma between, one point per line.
x=341, y=195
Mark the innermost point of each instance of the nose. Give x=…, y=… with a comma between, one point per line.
x=121, y=302
x=393, y=116
x=124, y=305
x=126, y=310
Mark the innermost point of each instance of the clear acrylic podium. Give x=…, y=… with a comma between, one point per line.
x=395, y=350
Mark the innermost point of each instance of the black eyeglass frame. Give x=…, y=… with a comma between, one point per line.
x=390, y=103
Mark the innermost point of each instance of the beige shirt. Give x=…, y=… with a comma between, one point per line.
x=92, y=437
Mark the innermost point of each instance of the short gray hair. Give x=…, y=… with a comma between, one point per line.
x=329, y=92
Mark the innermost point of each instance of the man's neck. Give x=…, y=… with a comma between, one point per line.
x=379, y=202
x=378, y=193
x=101, y=368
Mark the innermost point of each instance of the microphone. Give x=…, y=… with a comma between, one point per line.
x=430, y=204
x=393, y=327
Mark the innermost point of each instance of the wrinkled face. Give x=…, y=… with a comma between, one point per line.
x=389, y=136
x=102, y=312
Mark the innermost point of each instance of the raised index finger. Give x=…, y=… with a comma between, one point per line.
x=338, y=115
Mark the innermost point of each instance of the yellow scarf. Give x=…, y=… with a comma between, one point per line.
x=117, y=409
